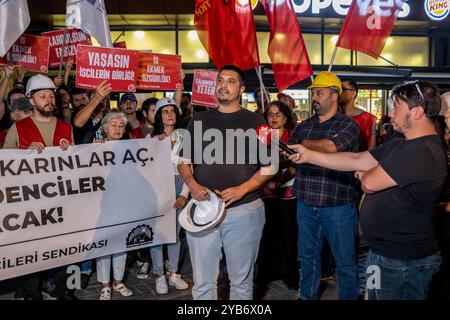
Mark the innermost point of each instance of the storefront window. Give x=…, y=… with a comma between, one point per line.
x=372, y=101
x=302, y=105
x=342, y=56
x=312, y=42
x=404, y=51
x=190, y=48
x=156, y=41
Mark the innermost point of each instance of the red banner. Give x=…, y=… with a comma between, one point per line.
x=287, y=50
x=367, y=27
x=29, y=51
x=227, y=31
x=159, y=72
x=118, y=66
x=121, y=44
x=204, y=87
x=73, y=38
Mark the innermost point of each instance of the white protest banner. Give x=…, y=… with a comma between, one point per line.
x=58, y=208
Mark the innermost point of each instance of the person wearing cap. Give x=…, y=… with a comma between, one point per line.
x=326, y=198
x=39, y=131
x=128, y=105
x=42, y=128
x=240, y=231
x=166, y=116
x=403, y=180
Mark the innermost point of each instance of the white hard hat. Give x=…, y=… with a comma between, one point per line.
x=202, y=215
x=39, y=82
x=165, y=102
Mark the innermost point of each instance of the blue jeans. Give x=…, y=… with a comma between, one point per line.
x=402, y=279
x=339, y=225
x=173, y=249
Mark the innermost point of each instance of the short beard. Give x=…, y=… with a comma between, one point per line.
x=44, y=113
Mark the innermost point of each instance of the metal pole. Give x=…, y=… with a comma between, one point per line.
x=63, y=51
x=332, y=59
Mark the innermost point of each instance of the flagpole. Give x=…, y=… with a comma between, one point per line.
x=388, y=61
x=332, y=59
x=261, y=86
x=63, y=48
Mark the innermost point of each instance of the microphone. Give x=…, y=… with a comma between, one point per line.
x=264, y=135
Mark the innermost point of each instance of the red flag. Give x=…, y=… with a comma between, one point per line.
x=367, y=26
x=287, y=50
x=227, y=31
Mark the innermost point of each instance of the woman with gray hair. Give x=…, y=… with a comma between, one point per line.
x=113, y=128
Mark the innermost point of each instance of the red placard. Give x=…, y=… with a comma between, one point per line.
x=121, y=44
x=118, y=66
x=203, y=88
x=159, y=72
x=73, y=38
x=29, y=51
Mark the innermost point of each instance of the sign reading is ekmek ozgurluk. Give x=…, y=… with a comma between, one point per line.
x=29, y=51
x=159, y=72
x=117, y=66
x=58, y=208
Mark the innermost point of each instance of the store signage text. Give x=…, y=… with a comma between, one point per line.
x=437, y=9
x=341, y=7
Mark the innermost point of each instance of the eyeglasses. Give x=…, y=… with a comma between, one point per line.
x=347, y=89
x=274, y=114
x=417, y=86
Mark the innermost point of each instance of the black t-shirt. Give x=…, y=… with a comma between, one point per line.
x=399, y=222
x=228, y=166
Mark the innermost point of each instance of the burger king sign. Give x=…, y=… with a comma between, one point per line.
x=437, y=9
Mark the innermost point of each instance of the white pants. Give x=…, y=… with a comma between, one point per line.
x=104, y=267
x=239, y=235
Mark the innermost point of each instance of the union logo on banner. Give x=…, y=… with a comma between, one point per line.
x=437, y=9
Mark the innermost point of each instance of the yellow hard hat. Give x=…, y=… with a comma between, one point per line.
x=326, y=79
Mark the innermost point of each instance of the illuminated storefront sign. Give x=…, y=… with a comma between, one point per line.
x=437, y=9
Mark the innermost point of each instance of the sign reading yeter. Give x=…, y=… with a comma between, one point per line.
x=29, y=51
x=117, y=66
x=203, y=88
x=159, y=72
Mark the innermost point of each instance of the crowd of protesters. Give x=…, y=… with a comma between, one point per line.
x=346, y=169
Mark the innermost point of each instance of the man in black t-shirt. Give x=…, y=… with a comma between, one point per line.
x=234, y=169
x=403, y=180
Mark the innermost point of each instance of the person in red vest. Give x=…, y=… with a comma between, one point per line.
x=41, y=129
x=367, y=122
x=128, y=105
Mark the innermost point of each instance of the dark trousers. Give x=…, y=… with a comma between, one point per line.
x=277, y=258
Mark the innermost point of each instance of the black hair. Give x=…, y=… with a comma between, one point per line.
x=352, y=84
x=231, y=67
x=13, y=91
x=409, y=93
x=63, y=87
x=148, y=102
x=285, y=110
x=158, y=126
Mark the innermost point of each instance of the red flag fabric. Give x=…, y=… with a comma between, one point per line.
x=287, y=50
x=227, y=31
x=368, y=25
